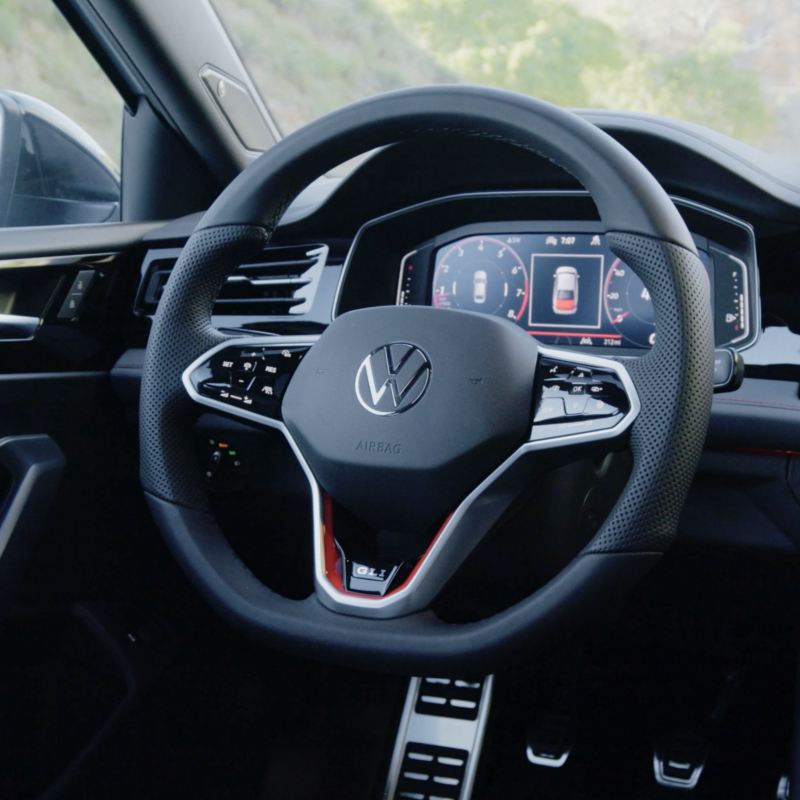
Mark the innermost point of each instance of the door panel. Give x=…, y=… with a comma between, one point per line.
x=74, y=287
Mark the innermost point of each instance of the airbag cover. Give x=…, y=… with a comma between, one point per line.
x=401, y=411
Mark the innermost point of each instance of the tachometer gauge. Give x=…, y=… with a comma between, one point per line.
x=628, y=305
x=481, y=274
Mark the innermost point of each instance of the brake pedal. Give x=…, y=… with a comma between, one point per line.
x=550, y=742
x=678, y=763
x=439, y=740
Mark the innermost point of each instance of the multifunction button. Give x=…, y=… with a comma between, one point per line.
x=567, y=392
x=728, y=370
x=253, y=378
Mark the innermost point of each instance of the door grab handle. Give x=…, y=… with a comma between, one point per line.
x=16, y=328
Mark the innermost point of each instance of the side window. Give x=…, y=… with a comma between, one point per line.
x=60, y=123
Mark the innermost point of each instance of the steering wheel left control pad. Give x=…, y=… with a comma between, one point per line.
x=248, y=377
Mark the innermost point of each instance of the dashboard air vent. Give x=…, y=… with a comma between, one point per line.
x=282, y=282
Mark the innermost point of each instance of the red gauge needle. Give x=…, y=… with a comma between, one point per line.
x=620, y=317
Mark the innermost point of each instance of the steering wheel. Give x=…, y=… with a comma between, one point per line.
x=422, y=424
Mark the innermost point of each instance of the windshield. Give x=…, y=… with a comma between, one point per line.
x=731, y=65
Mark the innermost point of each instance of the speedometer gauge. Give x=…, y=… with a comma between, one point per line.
x=628, y=305
x=482, y=274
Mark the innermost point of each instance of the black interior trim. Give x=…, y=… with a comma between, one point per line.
x=162, y=177
x=34, y=464
x=583, y=150
x=73, y=239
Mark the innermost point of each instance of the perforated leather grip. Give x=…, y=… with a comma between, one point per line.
x=181, y=332
x=675, y=384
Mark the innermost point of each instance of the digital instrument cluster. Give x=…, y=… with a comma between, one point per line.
x=566, y=288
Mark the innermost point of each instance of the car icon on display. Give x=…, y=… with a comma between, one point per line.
x=479, y=280
x=565, y=290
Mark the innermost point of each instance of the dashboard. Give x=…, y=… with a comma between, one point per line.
x=390, y=221
x=558, y=279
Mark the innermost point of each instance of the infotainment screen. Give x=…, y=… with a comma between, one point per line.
x=566, y=288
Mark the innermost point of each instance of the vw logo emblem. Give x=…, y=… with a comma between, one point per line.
x=392, y=378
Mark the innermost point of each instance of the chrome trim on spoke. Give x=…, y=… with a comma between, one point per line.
x=316, y=495
x=471, y=518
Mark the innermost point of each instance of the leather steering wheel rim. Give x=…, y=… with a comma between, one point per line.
x=673, y=380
